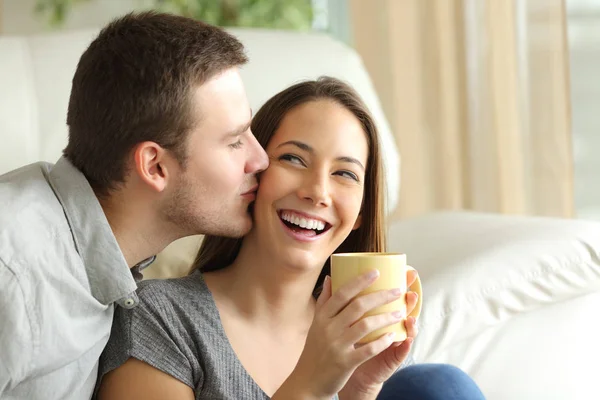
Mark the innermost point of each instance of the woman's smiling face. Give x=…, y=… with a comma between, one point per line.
x=310, y=197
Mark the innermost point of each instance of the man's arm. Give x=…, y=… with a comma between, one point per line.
x=16, y=331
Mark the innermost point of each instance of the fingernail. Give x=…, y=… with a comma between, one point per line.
x=411, y=320
x=396, y=291
x=398, y=314
x=409, y=340
x=326, y=280
x=373, y=274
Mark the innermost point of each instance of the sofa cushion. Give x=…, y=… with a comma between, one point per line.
x=480, y=271
x=175, y=260
x=550, y=353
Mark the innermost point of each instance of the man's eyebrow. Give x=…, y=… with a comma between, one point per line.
x=309, y=149
x=238, y=131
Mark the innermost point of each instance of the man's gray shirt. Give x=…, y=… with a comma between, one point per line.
x=61, y=270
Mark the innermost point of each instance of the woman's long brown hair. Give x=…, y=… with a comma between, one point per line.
x=218, y=252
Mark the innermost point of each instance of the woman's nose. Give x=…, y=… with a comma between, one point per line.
x=315, y=188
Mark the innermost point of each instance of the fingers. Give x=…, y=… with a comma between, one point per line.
x=411, y=277
x=362, y=304
x=402, y=350
x=411, y=301
x=411, y=327
x=346, y=293
x=369, y=324
x=370, y=350
x=394, y=352
x=325, y=293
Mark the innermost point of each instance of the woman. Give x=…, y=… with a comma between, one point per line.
x=256, y=319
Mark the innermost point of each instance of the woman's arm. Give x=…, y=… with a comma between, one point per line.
x=136, y=379
x=349, y=393
x=330, y=355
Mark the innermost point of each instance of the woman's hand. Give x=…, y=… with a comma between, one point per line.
x=331, y=354
x=367, y=380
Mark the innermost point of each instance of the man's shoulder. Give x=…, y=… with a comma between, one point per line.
x=25, y=176
x=26, y=191
x=31, y=216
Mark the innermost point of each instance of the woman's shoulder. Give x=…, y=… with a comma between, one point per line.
x=180, y=311
x=177, y=292
x=172, y=287
x=176, y=316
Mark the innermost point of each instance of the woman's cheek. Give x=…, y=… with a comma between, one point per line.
x=349, y=203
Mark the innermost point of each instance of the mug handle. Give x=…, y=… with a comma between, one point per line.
x=416, y=287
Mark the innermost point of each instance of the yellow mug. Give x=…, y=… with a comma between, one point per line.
x=392, y=274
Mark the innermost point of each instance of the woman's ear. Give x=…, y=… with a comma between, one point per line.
x=358, y=222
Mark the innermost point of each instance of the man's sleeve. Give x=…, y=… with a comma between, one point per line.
x=16, y=334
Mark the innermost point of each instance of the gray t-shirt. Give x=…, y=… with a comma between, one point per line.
x=176, y=328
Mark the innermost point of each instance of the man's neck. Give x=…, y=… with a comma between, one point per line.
x=135, y=228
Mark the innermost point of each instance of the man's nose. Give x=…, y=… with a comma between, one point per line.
x=258, y=160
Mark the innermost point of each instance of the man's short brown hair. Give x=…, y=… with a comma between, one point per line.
x=134, y=83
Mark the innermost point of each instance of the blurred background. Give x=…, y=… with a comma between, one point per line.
x=492, y=102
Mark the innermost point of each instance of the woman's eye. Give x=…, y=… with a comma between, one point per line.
x=292, y=159
x=348, y=174
x=236, y=145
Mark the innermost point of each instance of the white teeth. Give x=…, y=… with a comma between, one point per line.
x=306, y=223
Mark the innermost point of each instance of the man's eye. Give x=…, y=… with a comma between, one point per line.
x=236, y=145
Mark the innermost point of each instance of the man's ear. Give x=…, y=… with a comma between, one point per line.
x=151, y=166
x=358, y=222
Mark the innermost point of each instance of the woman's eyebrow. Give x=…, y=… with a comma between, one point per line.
x=298, y=144
x=309, y=149
x=351, y=160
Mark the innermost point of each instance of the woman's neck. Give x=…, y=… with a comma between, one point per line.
x=265, y=290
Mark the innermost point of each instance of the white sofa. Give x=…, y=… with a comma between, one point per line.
x=513, y=301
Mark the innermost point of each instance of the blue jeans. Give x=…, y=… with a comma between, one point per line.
x=430, y=382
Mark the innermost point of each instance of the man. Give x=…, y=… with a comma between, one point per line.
x=159, y=148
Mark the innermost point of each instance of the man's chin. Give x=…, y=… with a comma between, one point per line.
x=235, y=229
x=245, y=228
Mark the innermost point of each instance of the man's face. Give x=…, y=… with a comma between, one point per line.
x=212, y=193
